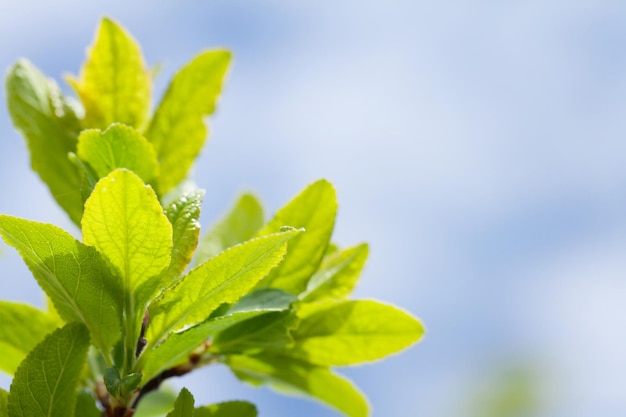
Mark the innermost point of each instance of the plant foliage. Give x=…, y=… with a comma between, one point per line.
x=269, y=299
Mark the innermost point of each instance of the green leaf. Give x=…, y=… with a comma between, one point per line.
x=50, y=126
x=4, y=399
x=183, y=407
x=223, y=279
x=86, y=405
x=73, y=275
x=338, y=274
x=124, y=221
x=45, y=383
x=16, y=339
x=112, y=381
x=351, y=332
x=242, y=222
x=295, y=377
x=314, y=210
x=177, y=130
x=114, y=84
x=176, y=349
x=156, y=403
x=119, y=146
x=227, y=409
x=268, y=331
x=184, y=214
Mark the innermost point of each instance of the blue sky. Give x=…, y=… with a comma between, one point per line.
x=478, y=146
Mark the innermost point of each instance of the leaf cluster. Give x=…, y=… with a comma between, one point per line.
x=141, y=298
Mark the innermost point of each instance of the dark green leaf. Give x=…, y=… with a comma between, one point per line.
x=4, y=399
x=50, y=126
x=45, y=384
x=242, y=222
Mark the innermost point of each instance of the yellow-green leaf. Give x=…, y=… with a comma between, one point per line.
x=114, y=83
x=45, y=384
x=351, y=332
x=184, y=214
x=295, y=377
x=242, y=222
x=73, y=275
x=337, y=275
x=314, y=209
x=50, y=126
x=177, y=130
x=17, y=339
x=183, y=407
x=119, y=146
x=227, y=409
x=222, y=279
x=4, y=399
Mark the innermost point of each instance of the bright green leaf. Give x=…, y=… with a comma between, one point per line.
x=314, y=209
x=16, y=339
x=242, y=222
x=300, y=378
x=183, y=407
x=184, y=214
x=73, y=275
x=114, y=84
x=86, y=405
x=50, y=126
x=124, y=221
x=338, y=274
x=119, y=146
x=177, y=130
x=227, y=409
x=176, y=349
x=4, y=399
x=223, y=279
x=351, y=332
x=45, y=383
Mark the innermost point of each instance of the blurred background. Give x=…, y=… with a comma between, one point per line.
x=478, y=146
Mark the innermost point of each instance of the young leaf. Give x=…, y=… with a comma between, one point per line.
x=124, y=221
x=177, y=130
x=227, y=409
x=114, y=84
x=223, y=279
x=119, y=146
x=73, y=275
x=296, y=377
x=175, y=350
x=45, y=383
x=50, y=126
x=16, y=338
x=314, y=210
x=4, y=399
x=338, y=274
x=184, y=214
x=351, y=332
x=242, y=222
x=183, y=407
